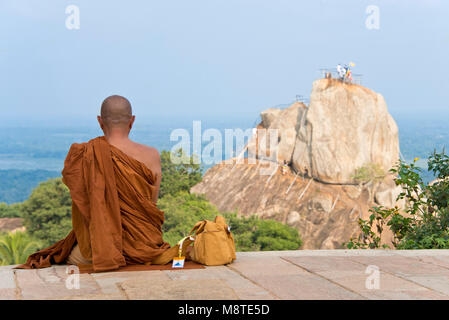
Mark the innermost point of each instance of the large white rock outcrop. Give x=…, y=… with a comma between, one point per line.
x=345, y=127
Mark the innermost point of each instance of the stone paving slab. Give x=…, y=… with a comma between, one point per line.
x=244, y=288
x=441, y=261
x=45, y=284
x=7, y=284
x=199, y=289
x=301, y=274
x=353, y=276
x=287, y=281
x=425, y=274
x=7, y=279
x=110, y=282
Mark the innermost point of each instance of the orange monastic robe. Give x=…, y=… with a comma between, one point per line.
x=115, y=222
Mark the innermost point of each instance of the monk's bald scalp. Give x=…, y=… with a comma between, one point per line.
x=116, y=111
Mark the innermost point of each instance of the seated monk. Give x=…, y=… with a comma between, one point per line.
x=114, y=184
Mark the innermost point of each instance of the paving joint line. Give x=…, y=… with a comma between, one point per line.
x=327, y=279
x=253, y=282
x=431, y=263
x=17, y=291
x=402, y=277
x=122, y=291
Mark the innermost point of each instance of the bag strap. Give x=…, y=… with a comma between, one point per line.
x=198, y=227
x=187, y=240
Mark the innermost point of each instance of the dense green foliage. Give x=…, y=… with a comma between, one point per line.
x=16, y=185
x=10, y=211
x=16, y=247
x=180, y=176
x=47, y=212
x=254, y=234
x=425, y=222
x=183, y=210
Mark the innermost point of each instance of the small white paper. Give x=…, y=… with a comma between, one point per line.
x=178, y=262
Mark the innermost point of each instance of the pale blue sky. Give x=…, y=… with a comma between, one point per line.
x=209, y=58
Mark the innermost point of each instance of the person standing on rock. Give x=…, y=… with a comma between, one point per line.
x=341, y=72
x=284, y=168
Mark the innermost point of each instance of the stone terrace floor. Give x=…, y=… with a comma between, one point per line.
x=303, y=274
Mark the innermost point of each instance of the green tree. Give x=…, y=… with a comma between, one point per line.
x=183, y=210
x=425, y=222
x=10, y=211
x=255, y=234
x=180, y=174
x=47, y=212
x=16, y=247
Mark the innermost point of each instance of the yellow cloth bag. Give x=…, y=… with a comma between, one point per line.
x=213, y=244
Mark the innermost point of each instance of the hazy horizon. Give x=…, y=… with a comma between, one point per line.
x=234, y=119
x=205, y=59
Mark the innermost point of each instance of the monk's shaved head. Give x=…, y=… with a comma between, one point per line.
x=116, y=111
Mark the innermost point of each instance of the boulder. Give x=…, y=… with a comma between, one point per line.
x=345, y=127
x=285, y=122
x=387, y=193
x=321, y=202
x=268, y=116
x=353, y=192
x=293, y=218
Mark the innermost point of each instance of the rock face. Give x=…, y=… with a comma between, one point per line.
x=387, y=193
x=286, y=122
x=326, y=215
x=345, y=128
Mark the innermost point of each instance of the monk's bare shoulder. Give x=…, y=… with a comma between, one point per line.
x=150, y=157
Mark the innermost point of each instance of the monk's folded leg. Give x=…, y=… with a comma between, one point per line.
x=76, y=258
x=166, y=256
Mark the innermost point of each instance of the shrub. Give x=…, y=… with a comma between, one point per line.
x=47, y=212
x=10, y=211
x=254, y=234
x=425, y=222
x=178, y=177
x=182, y=211
x=369, y=172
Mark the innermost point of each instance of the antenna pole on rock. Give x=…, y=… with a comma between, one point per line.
x=291, y=184
x=335, y=202
x=305, y=189
x=272, y=174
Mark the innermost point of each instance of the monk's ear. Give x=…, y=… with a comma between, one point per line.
x=100, y=122
x=131, y=122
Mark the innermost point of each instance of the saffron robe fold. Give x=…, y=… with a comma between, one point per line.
x=115, y=222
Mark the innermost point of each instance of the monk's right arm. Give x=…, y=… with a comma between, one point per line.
x=157, y=171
